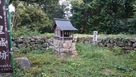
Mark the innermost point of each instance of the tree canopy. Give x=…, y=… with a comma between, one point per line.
x=36, y=15
x=106, y=16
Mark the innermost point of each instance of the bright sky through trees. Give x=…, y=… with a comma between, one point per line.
x=11, y=8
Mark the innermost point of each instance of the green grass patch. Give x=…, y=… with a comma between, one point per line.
x=25, y=32
x=109, y=36
x=119, y=36
x=91, y=62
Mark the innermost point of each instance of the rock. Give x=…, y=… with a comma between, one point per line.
x=135, y=49
x=129, y=43
x=134, y=45
x=32, y=39
x=14, y=48
x=109, y=45
x=67, y=45
x=50, y=47
x=120, y=44
x=74, y=53
x=100, y=39
x=86, y=41
x=62, y=55
x=111, y=41
x=128, y=48
x=50, y=41
x=107, y=40
x=23, y=63
x=115, y=44
x=133, y=40
x=5, y=75
x=45, y=45
x=19, y=40
x=21, y=45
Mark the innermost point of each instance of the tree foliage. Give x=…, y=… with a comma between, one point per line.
x=36, y=15
x=106, y=16
x=31, y=17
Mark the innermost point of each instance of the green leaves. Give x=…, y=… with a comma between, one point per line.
x=31, y=16
x=36, y=15
x=106, y=16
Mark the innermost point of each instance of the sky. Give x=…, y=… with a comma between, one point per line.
x=11, y=8
x=68, y=6
x=61, y=1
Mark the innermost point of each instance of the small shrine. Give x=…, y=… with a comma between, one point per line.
x=63, y=37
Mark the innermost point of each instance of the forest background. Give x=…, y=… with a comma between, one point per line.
x=104, y=16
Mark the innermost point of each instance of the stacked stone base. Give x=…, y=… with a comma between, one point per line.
x=64, y=47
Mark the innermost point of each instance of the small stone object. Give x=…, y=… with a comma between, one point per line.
x=23, y=63
x=95, y=37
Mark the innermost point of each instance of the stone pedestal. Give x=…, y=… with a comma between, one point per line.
x=64, y=47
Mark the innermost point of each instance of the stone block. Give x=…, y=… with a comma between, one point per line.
x=133, y=40
x=120, y=44
x=128, y=48
x=23, y=63
x=135, y=49
x=134, y=45
x=5, y=75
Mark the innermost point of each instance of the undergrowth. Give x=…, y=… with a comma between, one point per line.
x=92, y=61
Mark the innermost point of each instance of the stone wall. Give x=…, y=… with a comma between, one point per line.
x=43, y=42
x=33, y=43
x=125, y=44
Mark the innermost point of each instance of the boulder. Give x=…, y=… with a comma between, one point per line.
x=23, y=63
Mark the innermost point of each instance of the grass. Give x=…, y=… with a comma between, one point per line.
x=119, y=36
x=91, y=62
x=110, y=35
x=27, y=33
